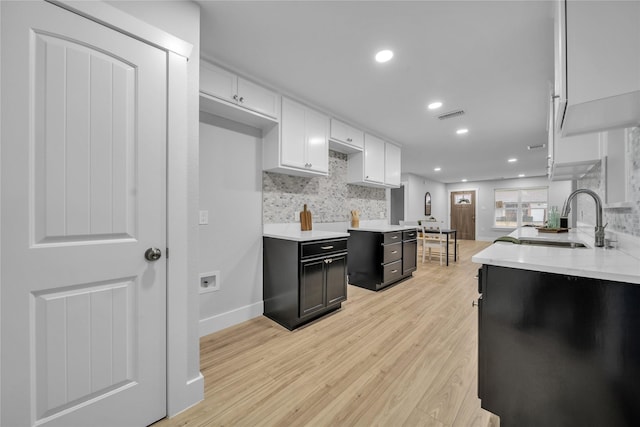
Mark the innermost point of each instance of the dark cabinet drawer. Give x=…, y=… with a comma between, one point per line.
x=392, y=272
x=323, y=248
x=393, y=237
x=410, y=235
x=391, y=252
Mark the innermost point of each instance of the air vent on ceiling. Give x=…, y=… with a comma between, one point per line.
x=536, y=147
x=451, y=114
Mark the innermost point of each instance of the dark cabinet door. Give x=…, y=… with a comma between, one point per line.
x=312, y=289
x=409, y=256
x=336, y=280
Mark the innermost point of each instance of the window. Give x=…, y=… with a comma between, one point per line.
x=515, y=207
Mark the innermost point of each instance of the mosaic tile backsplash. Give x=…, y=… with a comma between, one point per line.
x=330, y=198
x=623, y=220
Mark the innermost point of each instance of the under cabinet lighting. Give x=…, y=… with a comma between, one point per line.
x=384, y=55
x=434, y=105
x=462, y=131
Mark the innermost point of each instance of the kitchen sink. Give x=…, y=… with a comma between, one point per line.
x=553, y=243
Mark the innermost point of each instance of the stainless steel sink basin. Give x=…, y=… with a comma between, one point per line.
x=553, y=243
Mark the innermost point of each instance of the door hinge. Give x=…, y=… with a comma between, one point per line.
x=166, y=253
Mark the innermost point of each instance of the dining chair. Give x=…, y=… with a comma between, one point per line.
x=432, y=240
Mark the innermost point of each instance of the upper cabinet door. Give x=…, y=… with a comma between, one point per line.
x=392, y=165
x=218, y=82
x=373, y=159
x=293, y=142
x=342, y=132
x=257, y=98
x=317, y=134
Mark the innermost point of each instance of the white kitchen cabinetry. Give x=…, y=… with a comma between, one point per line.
x=344, y=138
x=572, y=157
x=224, y=85
x=299, y=146
x=369, y=167
x=392, y=162
x=597, y=50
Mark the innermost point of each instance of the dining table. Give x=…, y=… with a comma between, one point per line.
x=448, y=232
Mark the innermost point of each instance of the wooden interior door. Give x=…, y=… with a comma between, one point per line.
x=463, y=214
x=83, y=185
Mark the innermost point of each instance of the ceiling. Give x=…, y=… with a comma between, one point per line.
x=493, y=59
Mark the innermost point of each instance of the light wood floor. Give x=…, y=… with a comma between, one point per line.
x=405, y=356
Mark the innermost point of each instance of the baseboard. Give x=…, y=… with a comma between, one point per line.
x=191, y=394
x=224, y=320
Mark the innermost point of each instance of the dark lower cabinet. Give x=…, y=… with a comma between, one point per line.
x=380, y=259
x=558, y=350
x=303, y=280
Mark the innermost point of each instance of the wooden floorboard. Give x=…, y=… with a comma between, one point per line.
x=404, y=356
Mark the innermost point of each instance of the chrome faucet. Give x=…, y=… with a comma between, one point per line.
x=599, y=227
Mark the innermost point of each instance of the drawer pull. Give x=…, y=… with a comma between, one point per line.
x=326, y=248
x=394, y=271
x=394, y=252
x=394, y=237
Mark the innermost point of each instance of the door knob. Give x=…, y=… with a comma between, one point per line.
x=152, y=254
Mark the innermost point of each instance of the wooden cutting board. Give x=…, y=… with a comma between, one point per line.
x=305, y=219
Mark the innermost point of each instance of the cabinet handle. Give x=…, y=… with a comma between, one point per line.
x=394, y=237
x=394, y=271
x=394, y=252
x=349, y=139
x=241, y=99
x=474, y=304
x=328, y=261
x=326, y=248
x=235, y=97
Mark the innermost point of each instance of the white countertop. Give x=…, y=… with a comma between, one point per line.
x=304, y=236
x=597, y=263
x=384, y=228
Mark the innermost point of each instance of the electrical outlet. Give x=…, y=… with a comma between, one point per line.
x=381, y=215
x=210, y=282
x=296, y=217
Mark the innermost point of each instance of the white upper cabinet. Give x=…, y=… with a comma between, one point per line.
x=377, y=166
x=345, y=138
x=299, y=146
x=392, y=162
x=597, y=65
x=222, y=84
x=571, y=157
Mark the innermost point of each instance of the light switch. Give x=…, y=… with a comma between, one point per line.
x=204, y=217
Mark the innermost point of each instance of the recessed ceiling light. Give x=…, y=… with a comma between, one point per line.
x=462, y=131
x=464, y=180
x=437, y=169
x=521, y=175
x=512, y=160
x=434, y=105
x=384, y=55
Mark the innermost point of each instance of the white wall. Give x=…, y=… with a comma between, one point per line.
x=558, y=192
x=415, y=189
x=231, y=191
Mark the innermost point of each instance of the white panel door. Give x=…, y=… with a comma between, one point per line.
x=83, y=185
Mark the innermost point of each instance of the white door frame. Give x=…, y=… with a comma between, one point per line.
x=185, y=383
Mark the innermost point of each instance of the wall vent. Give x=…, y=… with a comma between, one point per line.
x=451, y=114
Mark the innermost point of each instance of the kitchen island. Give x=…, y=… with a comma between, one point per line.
x=380, y=256
x=304, y=274
x=558, y=332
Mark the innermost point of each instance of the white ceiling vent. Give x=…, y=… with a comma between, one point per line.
x=451, y=114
